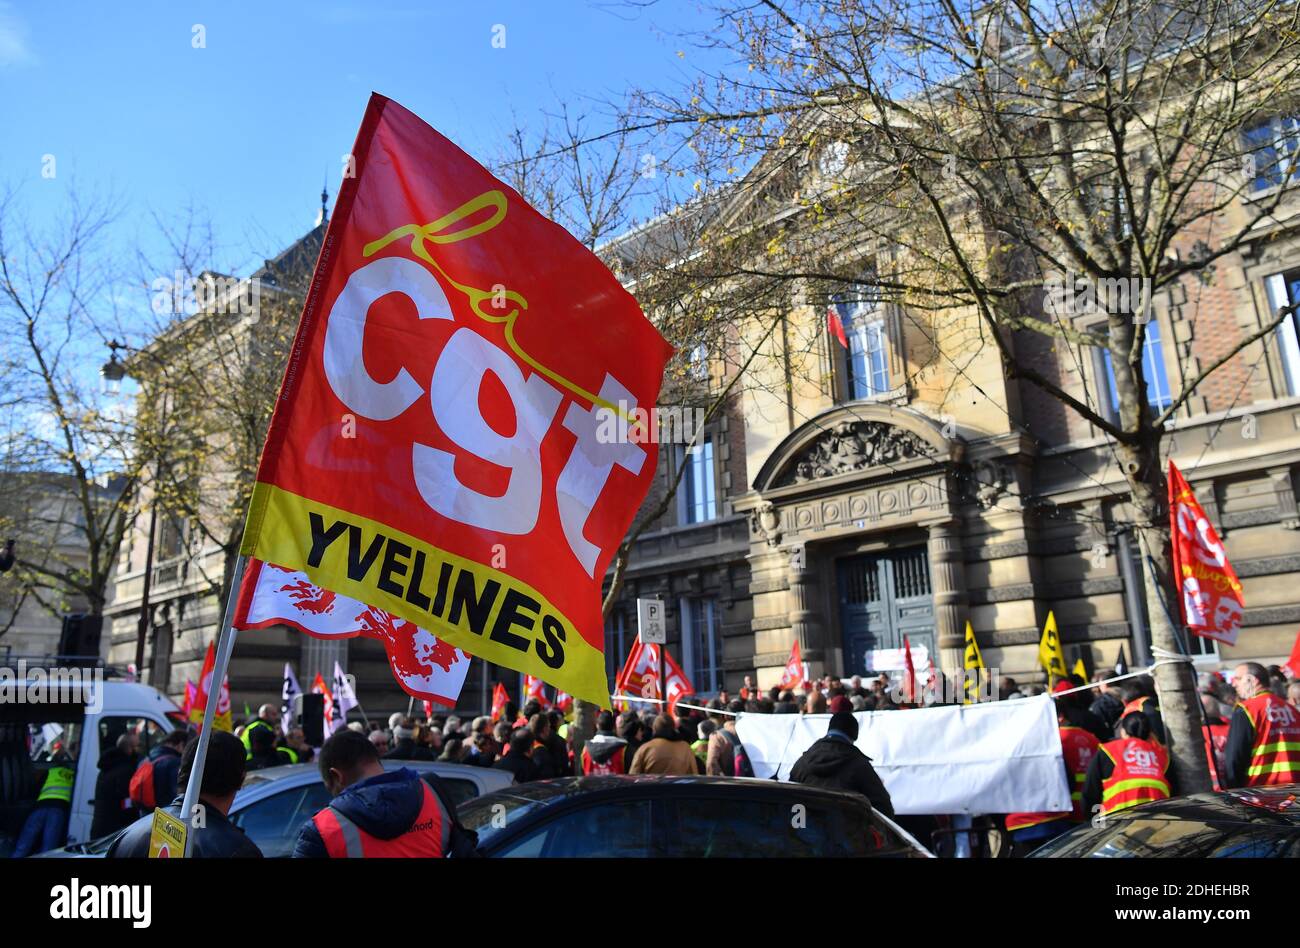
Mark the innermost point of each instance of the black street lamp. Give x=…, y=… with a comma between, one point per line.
x=112, y=372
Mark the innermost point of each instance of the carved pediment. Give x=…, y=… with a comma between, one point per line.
x=853, y=437
x=855, y=446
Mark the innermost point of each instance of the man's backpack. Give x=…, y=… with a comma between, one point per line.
x=740, y=765
x=141, y=789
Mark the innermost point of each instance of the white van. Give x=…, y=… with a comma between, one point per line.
x=69, y=727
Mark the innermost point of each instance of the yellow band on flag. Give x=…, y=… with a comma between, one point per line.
x=482, y=610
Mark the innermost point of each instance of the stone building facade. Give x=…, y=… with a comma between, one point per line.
x=950, y=493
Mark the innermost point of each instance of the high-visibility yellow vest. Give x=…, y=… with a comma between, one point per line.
x=246, y=736
x=58, y=785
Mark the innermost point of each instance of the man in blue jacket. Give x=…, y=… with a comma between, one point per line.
x=376, y=813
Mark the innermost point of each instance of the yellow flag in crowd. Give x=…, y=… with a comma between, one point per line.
x=1080, y=670
x=1050, y=655
x=971, y=661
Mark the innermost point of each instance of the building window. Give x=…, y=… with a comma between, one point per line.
x=702, y=644
x=1153, y=369
x=1275, y=147
x=615, y=644
x=866, y=362
x=697, y=363
x=1283, y=290
x=698, y=492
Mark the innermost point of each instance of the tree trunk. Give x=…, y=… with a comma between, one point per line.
x=1175, y=681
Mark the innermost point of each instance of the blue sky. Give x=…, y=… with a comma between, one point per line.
x=245, y=129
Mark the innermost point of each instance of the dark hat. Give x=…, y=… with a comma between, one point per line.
x=845, y=723
x=840, y=704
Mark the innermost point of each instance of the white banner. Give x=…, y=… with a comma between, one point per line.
x=991, y=757
x=425, y=666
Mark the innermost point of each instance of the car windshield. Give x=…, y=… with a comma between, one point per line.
x=488, y=815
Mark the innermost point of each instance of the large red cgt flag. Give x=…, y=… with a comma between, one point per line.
x=1209, y=592
x=441, y=448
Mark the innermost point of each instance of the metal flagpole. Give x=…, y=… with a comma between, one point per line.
x=225, y=644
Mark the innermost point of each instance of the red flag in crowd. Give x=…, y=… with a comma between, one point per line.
x=222, y=720
x=500, y=698
x=533, y=688
x=1209, y=592
x=835, y=326
x=909, y=677
x=318, y=688
x=1292, y=665
x=443, y=276
x=564, y=701
x=640, y=675
x=190, y=693
x=793, y=675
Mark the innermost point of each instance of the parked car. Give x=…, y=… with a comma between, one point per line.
x=1259, y=823
x=692, y=817
x=72, y=731
x=275, y=802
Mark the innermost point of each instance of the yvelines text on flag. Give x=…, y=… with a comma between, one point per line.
x=437, y=449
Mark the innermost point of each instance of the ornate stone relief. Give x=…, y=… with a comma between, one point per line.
x=854, y=446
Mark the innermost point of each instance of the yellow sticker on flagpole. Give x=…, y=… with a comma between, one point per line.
x=167, y=838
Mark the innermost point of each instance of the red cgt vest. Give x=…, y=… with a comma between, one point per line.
x=1139, y=775
x=1275, y=758
x=426, y=839
x=1078, y=747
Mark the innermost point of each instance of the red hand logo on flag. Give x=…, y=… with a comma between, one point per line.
x=425, y=666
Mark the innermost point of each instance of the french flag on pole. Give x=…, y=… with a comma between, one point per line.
x=835, y=326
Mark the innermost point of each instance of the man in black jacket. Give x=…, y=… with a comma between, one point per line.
x=217, y=838
x=113, y=806
x=836, y=763
x=517, y=759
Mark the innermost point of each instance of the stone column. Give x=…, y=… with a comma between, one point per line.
x=948, y=587
x=804, y=625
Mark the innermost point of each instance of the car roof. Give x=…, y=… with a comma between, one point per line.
x=555, y=791
x=442, y=768
x=1279, y=805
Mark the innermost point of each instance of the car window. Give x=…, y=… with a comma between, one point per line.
x=148, y=734
x=490, y=814
x=1139, y=836
x=602, y=831
x=1256, y=843
x=458, y=791
x=731, y=826
x=273, y=823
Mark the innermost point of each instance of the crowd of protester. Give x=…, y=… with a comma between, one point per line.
x=537, y=743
